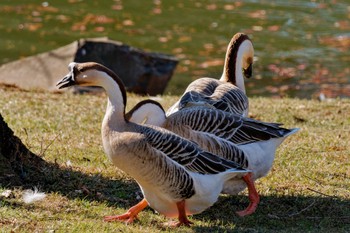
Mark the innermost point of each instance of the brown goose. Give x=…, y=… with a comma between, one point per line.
x=228, y=93
x=176, y=176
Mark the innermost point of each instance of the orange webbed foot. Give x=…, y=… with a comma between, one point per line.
x=248, y=211
x=253, y=196
x=183, y=220
x=127, y=218
x=130, y=215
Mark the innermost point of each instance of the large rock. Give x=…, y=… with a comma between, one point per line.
x=41, y=71
x=142, y=72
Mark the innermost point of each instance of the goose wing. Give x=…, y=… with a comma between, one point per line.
x=254, y=130
x=187, y=153
x=206, y=120
x=228, y=126
x=205, y=86
x=195, y=93
x=230, y=98
x=215, y=94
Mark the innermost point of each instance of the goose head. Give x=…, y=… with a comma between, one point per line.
x=238, y=60
x=147, y=112
x=78, y=75
x=93, y=74
x=246, y=55
x=87, y=74
x=248, y=67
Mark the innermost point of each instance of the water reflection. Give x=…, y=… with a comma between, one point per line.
x=302, y=47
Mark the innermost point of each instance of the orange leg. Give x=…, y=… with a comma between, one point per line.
x=130, y=215
x=183, y=220
x=253, y=196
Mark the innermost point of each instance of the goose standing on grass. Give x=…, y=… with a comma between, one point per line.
x=246, y=141
x=228, y=93
x=177, y=178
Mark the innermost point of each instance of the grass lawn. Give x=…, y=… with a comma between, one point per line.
x=307, y=189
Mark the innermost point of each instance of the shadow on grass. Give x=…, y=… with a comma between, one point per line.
x=279, y=213
x=20, y=168
x=51, y=178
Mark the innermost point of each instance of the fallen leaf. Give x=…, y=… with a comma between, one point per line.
x=33, y=26
x=259, y=14
x=157, y=10
x=257, y=28
x=229, y=7
x=117, y=7
x=99, y=29
x=215, y=62
x=163, y=39
x=341, y=42
x=183, y=39
x=343, y=24
x=211, y=7
x=273, y=28
x=128, y=22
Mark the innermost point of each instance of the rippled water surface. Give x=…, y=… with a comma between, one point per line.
x=302, y=48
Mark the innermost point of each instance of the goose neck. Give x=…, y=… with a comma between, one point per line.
x=237, y=56
x=115, y=112
x=238, y=76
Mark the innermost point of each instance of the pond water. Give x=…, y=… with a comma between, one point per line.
x=302, y=48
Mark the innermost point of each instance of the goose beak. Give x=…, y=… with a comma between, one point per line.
x=67, y=81
x=248, y=72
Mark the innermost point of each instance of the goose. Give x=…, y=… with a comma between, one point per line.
x=176, y=176
x=228, y=93
x=228, y=135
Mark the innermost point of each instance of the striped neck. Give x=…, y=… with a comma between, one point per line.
x=239, y=56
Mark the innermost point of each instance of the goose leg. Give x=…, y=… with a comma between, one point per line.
x=253, y=196
x=183, y=220
x=130, y=215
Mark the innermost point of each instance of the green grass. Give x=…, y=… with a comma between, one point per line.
x=306, y=191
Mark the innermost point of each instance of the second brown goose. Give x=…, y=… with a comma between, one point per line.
x=228, y=93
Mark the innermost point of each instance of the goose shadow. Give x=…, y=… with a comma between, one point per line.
x=276, y=213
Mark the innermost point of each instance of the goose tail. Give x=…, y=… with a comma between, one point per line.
x=291, y=131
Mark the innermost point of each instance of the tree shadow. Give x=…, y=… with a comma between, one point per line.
x=20, y=168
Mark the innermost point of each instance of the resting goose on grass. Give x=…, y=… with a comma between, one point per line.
x=228, y=93
x=245, y=141
x=176, y=176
